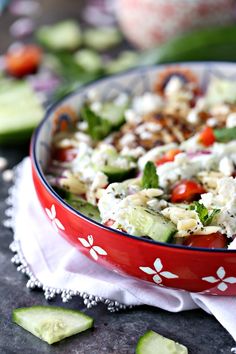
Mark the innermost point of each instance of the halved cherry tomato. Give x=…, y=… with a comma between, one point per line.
x=215, y=240
x=168, y=157
x=186, y=191
x=23, y=60
x=64, y=154
x=207, y=137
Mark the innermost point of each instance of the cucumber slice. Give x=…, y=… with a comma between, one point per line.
x=149, y=223
x=153, y=343
x=88, y=60
x=102, y=38
x=65, y=35
x=51, y=323
x=84, y=207
x=17, y=121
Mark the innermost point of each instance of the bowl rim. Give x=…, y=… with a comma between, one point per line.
x=79, y=90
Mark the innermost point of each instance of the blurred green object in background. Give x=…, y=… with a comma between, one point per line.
x=213, y=43
x=20, y=111
x=65, y=35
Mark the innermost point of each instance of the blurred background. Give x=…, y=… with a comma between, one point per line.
x=50, y=47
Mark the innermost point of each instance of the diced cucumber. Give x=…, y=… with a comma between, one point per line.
x=125, y=60
x=102, y=38
x=88, y=60
x=84, y=207
x=20, y=111
x=149, y=223
x=153, y=343
x=115, y=166
x=224, y=135
x=114, y=113
x=65, y=35
x=51, y=323
x=116, y=174
x=220, y=90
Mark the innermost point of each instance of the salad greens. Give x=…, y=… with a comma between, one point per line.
x=205, y=217
x=150, y=178
x=224, y=135
x=98, y=128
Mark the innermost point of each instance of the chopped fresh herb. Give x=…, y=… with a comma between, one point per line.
x=204, y=216
x=225, y=135
x=98, y=128
x=150, y=178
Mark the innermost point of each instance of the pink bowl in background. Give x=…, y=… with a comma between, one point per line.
x=192, y=269
x=147, y=23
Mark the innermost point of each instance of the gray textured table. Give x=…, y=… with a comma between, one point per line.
x=113, y=333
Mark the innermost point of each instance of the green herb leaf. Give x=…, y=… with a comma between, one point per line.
x=204, y=216
x=150, y=178
x=225, y=135
x=98, y=128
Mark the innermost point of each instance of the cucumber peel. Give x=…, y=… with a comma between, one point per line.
x=153, y=343
x=51, y=323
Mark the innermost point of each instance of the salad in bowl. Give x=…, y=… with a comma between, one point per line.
x=160, y=165
x=137, y=171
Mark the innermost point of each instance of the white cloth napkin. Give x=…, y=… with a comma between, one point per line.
x=57, y=264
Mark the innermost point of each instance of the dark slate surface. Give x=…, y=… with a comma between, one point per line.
x=113, y=333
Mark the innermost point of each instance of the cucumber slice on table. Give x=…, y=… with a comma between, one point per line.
x=20, y=111
x=149, y=223
x=153, y=343
x=50, y=323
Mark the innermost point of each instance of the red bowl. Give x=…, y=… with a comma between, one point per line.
x=192, y=269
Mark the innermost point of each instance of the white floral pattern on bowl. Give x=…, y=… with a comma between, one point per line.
x=94, y=250
x=56, y=224
x=157, y=272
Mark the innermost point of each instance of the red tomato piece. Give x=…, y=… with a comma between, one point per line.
x=64, y=154
x=207, y=137
x=215, y=240
x=168, y=157
x=23, y=60
x=186, y=191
